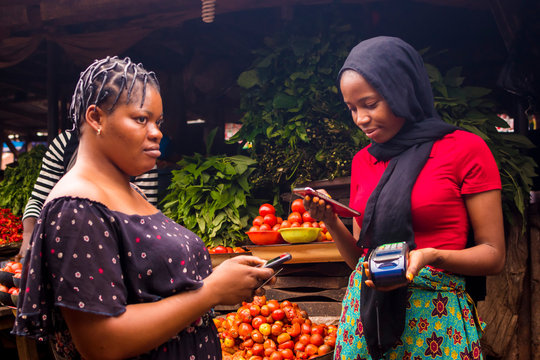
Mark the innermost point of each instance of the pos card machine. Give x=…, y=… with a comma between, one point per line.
x=388, y=264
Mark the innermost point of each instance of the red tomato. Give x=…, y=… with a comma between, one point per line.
x=276, y=329
x=266, y=209
x=270, y=344
x=294, y=330
x=324, y=349
x=278, y=314
x=298, y=206
x=295, y=217
x=276, y=227
x=257, y=349
x=304, y=339
x=273, y=305
x=257, y=336
x=220, y=249
x=316, y=339
x=299, y=346
x=270, y=219
x=330, y=340
x=238, y=250
x=254, y=310
x=285, y=224
x=265, y=310
x=288, y=344
x=315, y=224
x=258, y=321
x=318, y=329
x=265, y=227
x=323, y=226
x=306, y=224
x=311, y=349
x=244, y=330
x=276, y=355
x=307, y=218
x=247, y=344
x=254, y=228
x=283, y=337
x=245, y=316
x=279, y=220
x=305, y=329
x=287, y=353
x=295, y=224
x=258, y=221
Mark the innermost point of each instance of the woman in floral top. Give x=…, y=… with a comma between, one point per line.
x=108, y=276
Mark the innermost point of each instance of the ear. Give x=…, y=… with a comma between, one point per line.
x=93, y=117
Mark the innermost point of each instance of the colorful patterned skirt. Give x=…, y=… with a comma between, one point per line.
x=441, y=321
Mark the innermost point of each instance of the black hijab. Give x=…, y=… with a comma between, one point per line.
x=396, y=70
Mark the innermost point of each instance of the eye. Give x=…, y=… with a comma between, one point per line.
x=159, y=123
x=141, y=119
x=371, y=105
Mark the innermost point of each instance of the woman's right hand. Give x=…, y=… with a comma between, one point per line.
x=236, y=279
x=319, y=209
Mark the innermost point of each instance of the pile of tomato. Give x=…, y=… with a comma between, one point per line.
x=272, y=330
x=10, y=227
x=221, y=249
x=298, y=217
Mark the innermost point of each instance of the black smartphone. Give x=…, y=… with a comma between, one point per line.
x=278, y=260
x=340, y=209
x=275, y=263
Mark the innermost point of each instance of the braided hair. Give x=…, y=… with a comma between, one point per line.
x=102, y=84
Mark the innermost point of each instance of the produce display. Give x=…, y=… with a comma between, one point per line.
x=267, y=221
x=221, y=249
x=271, y=330
x=10, y=274
x=10, y=227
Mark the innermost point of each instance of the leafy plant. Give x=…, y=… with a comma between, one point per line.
x=471, y=108
x=293, y=114
x=210, y=196
x=19, y=179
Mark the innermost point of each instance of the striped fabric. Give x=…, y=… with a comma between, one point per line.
x=52, y=169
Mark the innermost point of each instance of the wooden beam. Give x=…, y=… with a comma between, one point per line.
x=506, y=14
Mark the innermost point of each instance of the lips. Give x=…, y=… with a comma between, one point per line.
x=153, y=152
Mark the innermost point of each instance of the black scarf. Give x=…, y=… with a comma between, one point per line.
x=397, y=72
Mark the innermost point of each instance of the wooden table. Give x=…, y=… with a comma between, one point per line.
x=26, y=347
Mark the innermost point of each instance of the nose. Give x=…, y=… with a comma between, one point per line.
x=361, y=118
x=154, y=132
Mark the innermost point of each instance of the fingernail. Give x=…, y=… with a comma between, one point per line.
x=410, y=276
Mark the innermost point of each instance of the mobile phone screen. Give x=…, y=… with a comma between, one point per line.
x=340, y=209
x=278, y=260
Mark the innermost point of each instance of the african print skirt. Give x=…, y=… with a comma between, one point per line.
x=441, y=321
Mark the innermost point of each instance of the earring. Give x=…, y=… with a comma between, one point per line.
x=99, y=131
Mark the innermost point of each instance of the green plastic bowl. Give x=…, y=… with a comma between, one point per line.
x=299, y=235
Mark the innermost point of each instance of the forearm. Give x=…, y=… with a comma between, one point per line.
x=28, y=228
x=345, y=242
x=480, y=260
x=141, y=328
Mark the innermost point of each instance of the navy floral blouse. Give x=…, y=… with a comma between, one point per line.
x=87, y=257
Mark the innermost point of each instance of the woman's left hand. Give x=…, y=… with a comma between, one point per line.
x=416, y=260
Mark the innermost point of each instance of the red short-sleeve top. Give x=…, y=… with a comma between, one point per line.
x=459, y=164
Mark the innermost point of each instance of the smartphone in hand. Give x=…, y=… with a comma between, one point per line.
x=339, y=208
x=275, y=263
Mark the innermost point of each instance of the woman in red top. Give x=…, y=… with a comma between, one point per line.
x=423, y=182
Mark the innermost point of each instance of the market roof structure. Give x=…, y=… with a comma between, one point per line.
x=43, y=42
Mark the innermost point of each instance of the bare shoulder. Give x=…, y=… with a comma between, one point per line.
x=75, y=186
